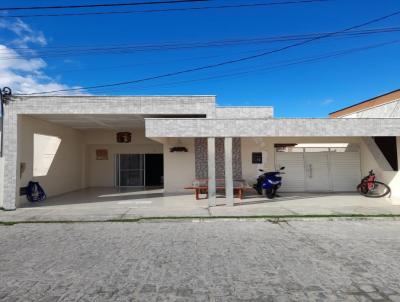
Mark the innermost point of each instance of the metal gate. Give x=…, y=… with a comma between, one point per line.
x=319, y=171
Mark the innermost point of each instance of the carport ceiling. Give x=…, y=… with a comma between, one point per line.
x=99, y=121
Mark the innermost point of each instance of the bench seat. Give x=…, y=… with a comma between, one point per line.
x=200, y=186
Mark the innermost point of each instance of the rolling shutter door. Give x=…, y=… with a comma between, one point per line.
x=345, y=171
x=293, y=179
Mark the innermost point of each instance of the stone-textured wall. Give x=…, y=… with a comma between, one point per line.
x=201, y=158
x=175, y=105
x=301, y=127
x=244, y=112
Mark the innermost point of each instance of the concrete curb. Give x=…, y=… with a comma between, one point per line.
x=272, y=219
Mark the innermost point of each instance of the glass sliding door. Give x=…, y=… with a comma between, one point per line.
x=130, y=170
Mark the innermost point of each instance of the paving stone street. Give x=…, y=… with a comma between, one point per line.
x=201, y=261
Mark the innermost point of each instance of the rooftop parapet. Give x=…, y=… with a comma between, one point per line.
x=245, y=112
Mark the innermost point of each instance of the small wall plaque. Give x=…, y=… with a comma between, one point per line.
x=101, y=154
x=256, y=157
x=124, y=137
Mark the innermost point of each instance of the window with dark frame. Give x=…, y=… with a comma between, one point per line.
x=256, y=157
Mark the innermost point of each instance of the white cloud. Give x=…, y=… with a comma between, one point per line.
x=327, y=102
x=18, y=70
x=24, y=34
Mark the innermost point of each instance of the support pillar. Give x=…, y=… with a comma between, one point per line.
x=211, y=171
x=228, y=171
x=11, y=161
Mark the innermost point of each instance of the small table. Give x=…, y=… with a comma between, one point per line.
x=238, y=191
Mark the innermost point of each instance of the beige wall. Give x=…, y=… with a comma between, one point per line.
x=101, y=173
x=249, y=145
x=64, y=174
x=179, y=167
x=74, y=165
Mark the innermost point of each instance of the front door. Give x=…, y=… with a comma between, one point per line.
x=130, y=170
x=154, y=169
x=317, y=176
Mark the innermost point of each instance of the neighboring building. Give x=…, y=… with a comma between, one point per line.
x=384, y=106
x=386, y=149
x=69, y=143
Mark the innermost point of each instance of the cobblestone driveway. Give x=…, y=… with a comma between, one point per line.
x=204, y=261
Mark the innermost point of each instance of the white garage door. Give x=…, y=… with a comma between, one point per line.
x=319, y=171
x=293, y=179
x=345, y=170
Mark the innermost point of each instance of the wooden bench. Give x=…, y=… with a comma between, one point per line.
x=201, y=187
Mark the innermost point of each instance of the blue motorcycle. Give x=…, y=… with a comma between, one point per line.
x=269, y=182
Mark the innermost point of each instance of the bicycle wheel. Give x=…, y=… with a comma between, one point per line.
x=362, y=189
x=379, y=190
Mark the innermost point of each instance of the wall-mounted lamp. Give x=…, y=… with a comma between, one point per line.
x=179, y=147
x=5, y=98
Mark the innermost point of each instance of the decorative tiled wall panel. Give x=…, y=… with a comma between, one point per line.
x=201, y=158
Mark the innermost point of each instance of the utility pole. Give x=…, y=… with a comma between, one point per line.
x=5, y=97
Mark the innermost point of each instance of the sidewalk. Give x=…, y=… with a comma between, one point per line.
x=89, y=205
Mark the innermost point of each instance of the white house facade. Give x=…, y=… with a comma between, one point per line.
x=68, y=143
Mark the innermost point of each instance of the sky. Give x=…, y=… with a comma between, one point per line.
x=50, y=53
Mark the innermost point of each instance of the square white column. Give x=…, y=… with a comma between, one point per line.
x=211, y=171
x=11, y=159
x=228, y=171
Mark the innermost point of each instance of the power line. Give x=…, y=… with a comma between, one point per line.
x=95, y=5
x=246, y=5
x=181, y=59
x=224, y=63
x=280, y=38
x=278, y=66
x=46, y=52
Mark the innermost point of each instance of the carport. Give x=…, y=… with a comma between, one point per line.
x=330, y=170
x=77, y=151
x=73, y=143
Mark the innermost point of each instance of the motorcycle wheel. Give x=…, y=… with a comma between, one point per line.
x=380, y=190
x=258, y=189
x=270, y=193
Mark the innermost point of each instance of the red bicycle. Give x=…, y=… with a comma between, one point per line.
x=370, y=187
